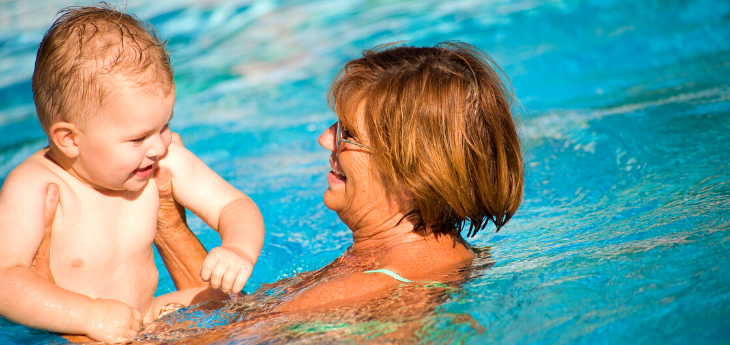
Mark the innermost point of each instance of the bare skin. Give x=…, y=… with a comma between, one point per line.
x=184, y=263
x=189, y=254
x=42, y=261
x=104, y=275
x=380, y=238
x=378, y=242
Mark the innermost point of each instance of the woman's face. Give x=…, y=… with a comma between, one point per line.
x=353, y=192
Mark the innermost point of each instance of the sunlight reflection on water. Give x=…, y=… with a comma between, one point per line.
x=622, y=236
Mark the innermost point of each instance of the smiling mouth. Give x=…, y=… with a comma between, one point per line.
x=144, y=172
x=338, y=174
x=335, y=172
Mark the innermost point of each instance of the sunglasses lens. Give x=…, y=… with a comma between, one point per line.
x=339, y=135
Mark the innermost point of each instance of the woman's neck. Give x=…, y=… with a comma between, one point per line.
x=378, y=241
x=382, y=236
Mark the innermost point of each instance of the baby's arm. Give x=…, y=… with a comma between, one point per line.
x=31, y=300
x=223, y=208
x=181, y=252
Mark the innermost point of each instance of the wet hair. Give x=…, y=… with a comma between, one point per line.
x=439, y=123
x=83, y=52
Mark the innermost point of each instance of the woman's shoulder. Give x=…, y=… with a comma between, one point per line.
x=428, y=259
x=341, y=290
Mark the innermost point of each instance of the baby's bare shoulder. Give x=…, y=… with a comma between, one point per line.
x=21, y=209
x=37, y=171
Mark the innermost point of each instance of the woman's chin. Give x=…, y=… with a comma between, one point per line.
x=332, y=200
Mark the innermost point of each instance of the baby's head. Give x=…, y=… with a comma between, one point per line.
x=85, y=54
x=104, y=94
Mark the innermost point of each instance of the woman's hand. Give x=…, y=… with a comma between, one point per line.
x=180, y=250
x=42, y=261
x=171, y=215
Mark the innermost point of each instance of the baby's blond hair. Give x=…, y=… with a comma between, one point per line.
x=83, y=48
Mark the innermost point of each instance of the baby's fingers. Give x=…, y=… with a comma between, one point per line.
x=135, y=324
x=241, y=279
x=209, y=264
x=229, y=279
x=216, y=277
x=131, y=333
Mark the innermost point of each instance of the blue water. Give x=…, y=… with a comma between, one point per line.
x=623, y=236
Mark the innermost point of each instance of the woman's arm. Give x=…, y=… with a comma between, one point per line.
x=226, y=210
x=180, y=249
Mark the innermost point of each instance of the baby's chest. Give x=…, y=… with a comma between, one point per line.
x=100, y=233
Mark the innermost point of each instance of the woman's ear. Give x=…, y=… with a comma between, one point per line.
x=406, y=195
x=64, y=136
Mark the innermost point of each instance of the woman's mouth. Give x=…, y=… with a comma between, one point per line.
x=336, y=176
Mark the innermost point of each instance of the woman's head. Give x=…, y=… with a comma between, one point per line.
x=439, y=125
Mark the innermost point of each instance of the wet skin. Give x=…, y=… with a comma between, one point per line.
x=379, y=241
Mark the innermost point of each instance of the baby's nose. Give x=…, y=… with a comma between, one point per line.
x=157, y=149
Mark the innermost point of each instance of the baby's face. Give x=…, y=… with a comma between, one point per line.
x=120, y=147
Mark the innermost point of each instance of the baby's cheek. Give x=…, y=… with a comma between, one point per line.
x=167, y=137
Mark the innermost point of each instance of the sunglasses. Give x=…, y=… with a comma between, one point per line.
x=342, y=133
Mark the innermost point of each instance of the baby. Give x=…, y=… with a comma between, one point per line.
x=104, y=92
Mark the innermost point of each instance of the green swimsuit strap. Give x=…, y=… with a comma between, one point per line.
x=428, y=284
x=390, y=273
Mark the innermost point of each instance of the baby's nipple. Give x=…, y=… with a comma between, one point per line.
x=77, y=262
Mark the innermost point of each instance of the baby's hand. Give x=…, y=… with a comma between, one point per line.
x=113, y=321
x=227, y=268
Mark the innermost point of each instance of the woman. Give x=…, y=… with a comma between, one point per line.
x=425, y=146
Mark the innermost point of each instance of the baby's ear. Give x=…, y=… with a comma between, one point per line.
x=63, y=135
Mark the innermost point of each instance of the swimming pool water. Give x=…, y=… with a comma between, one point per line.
x=623, y=233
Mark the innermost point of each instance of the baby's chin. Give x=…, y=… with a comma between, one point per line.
x=132, y=185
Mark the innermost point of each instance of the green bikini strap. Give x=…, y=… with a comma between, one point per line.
x=428, y=284
x=390, y=273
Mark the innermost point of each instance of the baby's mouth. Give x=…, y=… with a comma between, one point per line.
x=144, y=172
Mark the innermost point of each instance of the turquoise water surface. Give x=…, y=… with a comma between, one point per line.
x=623, y=236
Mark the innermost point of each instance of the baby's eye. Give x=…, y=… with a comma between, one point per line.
x=138, y=140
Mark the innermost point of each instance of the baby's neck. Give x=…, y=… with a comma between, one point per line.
x=55, y=155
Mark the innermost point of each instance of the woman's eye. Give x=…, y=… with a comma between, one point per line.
x=346, y=133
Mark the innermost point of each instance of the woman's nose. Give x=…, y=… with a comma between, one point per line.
x=327, y=138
